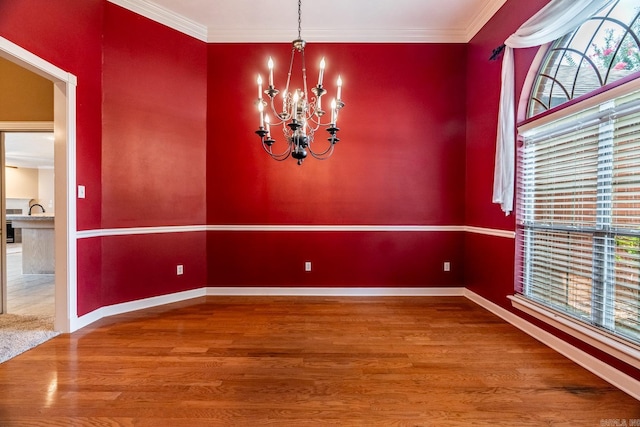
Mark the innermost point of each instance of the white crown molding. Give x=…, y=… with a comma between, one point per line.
x=354, y=35
x=489, y=9
x=164, y=16
x=189, y=27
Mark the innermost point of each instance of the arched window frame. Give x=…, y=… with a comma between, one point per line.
x=602, y=51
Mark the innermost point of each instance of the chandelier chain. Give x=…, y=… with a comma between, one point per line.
x=299, y=19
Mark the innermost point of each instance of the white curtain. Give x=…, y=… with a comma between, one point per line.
x=553, y=21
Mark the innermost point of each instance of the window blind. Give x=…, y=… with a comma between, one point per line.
x=578, y=215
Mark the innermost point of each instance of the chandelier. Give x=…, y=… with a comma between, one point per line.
x=301, y=116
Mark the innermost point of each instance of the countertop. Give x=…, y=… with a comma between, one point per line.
x=34, y=217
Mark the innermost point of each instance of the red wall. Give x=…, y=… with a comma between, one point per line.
x=339, y=259
x=154, y=124
x=401, y=155
x=400, y=161
x=153, y=168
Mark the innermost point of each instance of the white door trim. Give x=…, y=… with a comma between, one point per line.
x=64, y=100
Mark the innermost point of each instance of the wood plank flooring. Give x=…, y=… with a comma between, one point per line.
x=294, y=361
x=28, y=294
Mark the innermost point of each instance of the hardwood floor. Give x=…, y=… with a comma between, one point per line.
x=293, y=361
x=28, y=294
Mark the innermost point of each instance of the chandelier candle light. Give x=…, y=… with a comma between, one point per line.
x=300, y=116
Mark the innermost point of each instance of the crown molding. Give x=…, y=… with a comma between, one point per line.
x=353, y=35
x=489, y=9
x=164, y=16
x=191, y=28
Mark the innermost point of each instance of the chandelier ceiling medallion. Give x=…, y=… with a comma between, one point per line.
x=300, y=116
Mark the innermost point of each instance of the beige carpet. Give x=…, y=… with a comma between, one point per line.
x=21, y=333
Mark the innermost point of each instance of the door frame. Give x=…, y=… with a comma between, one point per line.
x=64, y=128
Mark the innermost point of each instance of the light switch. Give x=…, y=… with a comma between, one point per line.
x=80, y=191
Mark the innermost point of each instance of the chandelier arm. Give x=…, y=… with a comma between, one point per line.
x=282, y=116
x=269, y=150
x=277, y=115
x=313, y=104
x=287, y=133
x=324, y=155
x=277, y=156
x=304, y=74
x=316, y=124
x=293, y=55
x=314, y=118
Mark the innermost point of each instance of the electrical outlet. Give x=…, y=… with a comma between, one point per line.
x=180, y=270
x=307, y=266
x=447, y=266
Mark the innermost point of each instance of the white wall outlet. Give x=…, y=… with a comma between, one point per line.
x=307, y=266
x=81, y=194
x=180, y=270
x=447, y=266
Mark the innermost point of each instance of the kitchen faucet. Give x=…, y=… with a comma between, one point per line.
x=36, y=204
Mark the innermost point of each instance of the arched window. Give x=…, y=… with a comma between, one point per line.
x=578, y=210
x=601, y=51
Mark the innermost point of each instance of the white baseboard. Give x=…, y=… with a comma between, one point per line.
x=127, y=307
x=613, y=376
x=334, y=292
x=607, y=343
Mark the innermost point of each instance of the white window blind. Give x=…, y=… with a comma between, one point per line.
x=578, y=237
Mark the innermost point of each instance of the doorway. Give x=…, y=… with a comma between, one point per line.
x=64, y=88
x=29, y=190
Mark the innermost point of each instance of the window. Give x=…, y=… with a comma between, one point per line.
x=578, y=214
x=601, y=51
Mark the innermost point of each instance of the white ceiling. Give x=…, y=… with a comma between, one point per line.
x=402, y=21
x=29, y=149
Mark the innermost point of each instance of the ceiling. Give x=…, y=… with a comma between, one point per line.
x=401, y=21
x=29, y=149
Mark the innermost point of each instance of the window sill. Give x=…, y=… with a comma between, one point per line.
x=610, y=344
